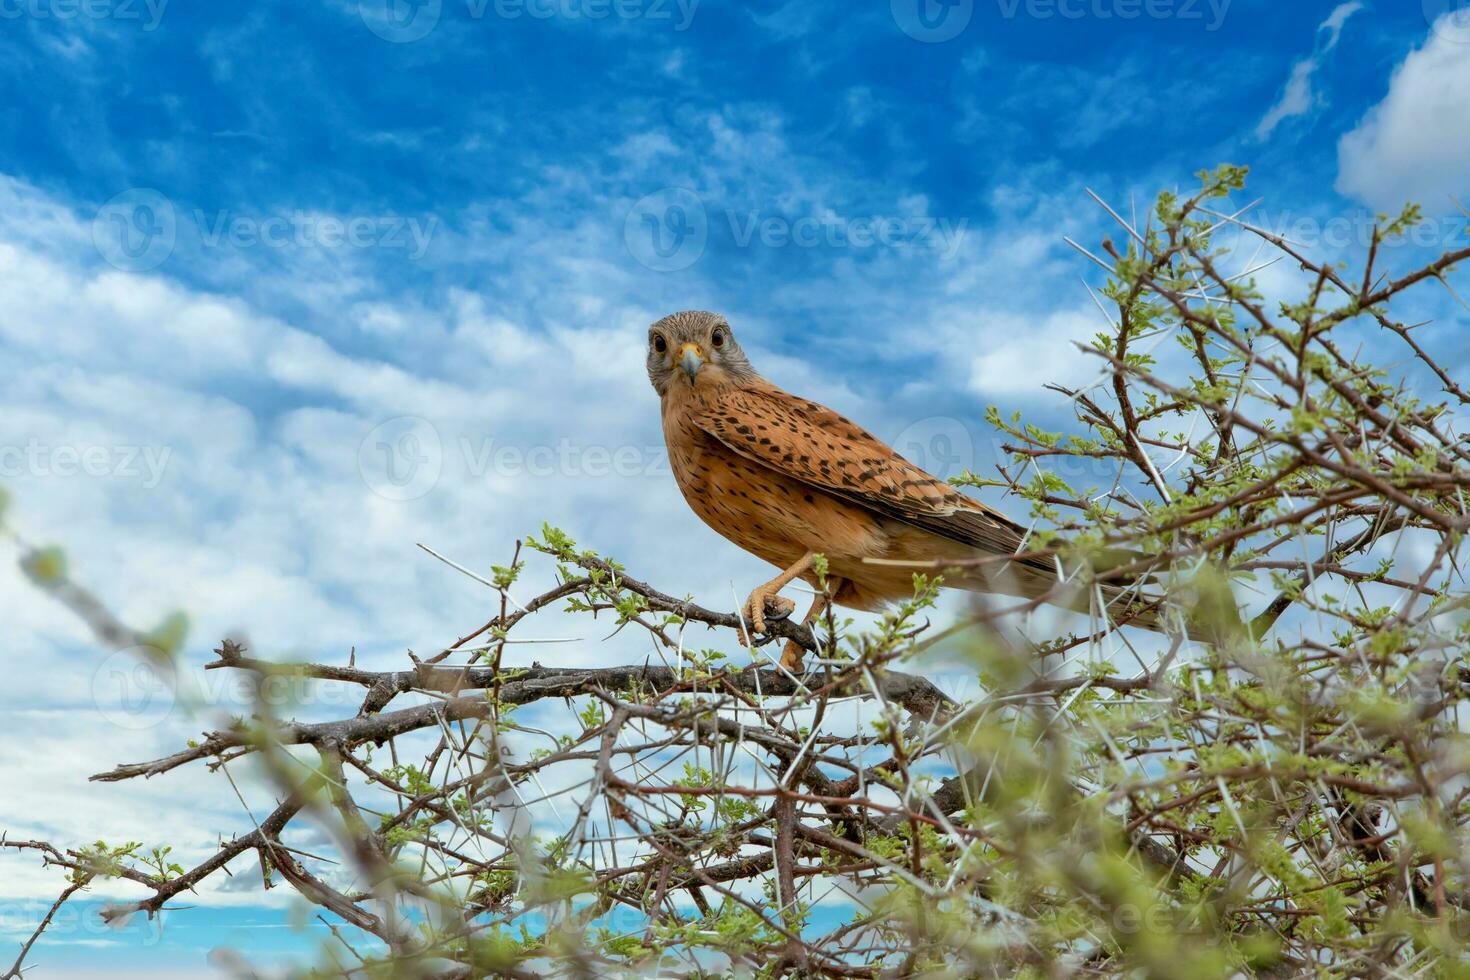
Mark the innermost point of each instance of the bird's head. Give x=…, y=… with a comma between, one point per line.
x=694, y=348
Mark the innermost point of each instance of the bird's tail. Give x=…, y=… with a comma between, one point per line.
x=1200, y=605
x=1126, y=603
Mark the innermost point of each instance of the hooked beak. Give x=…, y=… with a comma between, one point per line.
x=691, y=359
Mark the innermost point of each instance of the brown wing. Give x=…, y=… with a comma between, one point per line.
x=813, y=444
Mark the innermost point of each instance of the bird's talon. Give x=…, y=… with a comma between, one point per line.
x=762, y=606
x=766, y=606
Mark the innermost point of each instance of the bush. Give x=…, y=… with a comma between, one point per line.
x=1275, y=783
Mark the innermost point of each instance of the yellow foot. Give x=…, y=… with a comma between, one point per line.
x=763, y=603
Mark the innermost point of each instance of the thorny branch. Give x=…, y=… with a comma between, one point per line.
x=1276, y=784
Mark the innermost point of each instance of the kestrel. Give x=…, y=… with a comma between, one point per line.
x=788, y=479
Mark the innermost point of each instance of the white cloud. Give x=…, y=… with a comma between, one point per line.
x=1027, y=352
x=1415, y=143
x=1334, y=23
x=264, y=522
x=1298, y=97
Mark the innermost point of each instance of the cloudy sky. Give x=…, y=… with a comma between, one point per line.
x=291, y=286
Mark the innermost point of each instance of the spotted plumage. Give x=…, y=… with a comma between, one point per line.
x=786, y=478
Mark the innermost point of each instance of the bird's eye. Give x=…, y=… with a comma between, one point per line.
x=717, y=339
x=659, y=344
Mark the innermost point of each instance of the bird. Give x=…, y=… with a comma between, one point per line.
x=788, y=479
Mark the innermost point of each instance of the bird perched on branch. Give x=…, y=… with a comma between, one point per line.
x=788, y=479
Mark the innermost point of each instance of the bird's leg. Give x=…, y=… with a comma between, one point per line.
x=792, y=654
x=755, y=606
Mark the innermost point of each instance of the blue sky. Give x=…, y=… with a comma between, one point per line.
x=289, y=287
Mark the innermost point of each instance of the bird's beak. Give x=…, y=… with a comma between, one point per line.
x=691, y=358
